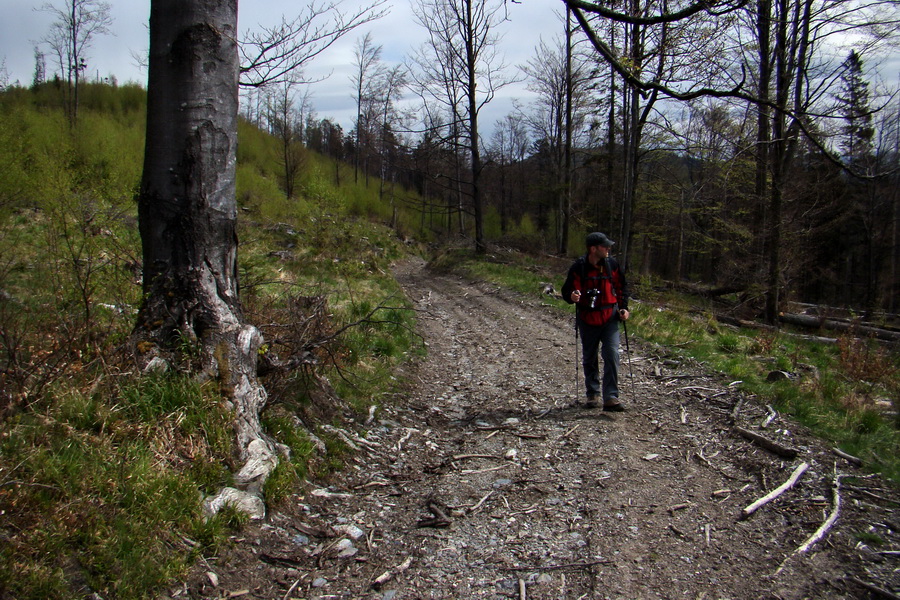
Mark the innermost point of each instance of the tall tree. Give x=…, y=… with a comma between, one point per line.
x=560, y=80
x=77, y=23
x=656, y=45
x=854, y=106
x=367, y=71
x=188, y=215
x=460, y=68
x=797, y=67
x=509, y=147
x=286, y=123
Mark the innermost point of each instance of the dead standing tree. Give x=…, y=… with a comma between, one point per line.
x=459, y=68
x=77, y=23
x=187, y=214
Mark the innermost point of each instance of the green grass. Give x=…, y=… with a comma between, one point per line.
x=100, y=490
x=831, y=395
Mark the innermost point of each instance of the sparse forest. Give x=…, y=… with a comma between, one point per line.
x=761, y=159
x=196, y=285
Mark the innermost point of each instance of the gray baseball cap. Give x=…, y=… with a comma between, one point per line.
x=598, y=239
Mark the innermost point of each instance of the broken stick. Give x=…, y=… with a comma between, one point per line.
x=822, y=531
x=848, y=457
x=391, y=573
x=772, y=446
x=795, y=476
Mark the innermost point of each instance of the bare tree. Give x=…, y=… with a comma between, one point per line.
x=790, y=71
x=286, y=123
x=77, y=23
x=650, y=41
x=368, y=70
x=508, y=149
x=277, y=52
x=560, y=81
x=188, y=215
x=389, y=89
x=460, y=70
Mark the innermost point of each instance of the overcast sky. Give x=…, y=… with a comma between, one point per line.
x=23, y=24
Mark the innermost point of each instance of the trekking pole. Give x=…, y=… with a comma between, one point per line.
x=576, y=355
x=628, y=355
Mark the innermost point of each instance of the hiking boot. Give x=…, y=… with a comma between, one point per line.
x=613, y=406
x=591, y=402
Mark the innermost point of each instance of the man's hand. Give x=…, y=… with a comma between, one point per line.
x=576, y=296
x=624, y=314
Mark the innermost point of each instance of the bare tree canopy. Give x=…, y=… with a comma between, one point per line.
x=279, y=52
x=77, y=23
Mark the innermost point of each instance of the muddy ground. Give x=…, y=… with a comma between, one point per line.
x=486, y=481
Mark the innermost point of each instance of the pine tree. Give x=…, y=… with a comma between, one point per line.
x=853, y=103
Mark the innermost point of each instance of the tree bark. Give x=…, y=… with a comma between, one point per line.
x=187, y=214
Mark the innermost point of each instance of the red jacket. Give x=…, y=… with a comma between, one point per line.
x=602, y=293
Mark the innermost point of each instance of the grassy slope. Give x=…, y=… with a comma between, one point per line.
x=99, y=469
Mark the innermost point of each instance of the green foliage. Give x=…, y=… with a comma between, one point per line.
x=101, y=475
x=89, y=493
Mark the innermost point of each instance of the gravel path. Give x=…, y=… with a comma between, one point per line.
x=486, y=482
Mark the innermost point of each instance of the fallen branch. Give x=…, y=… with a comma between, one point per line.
x=823, y=530
x=440, y=519
x=772, y=446
x=478, y=504
x=872, y=495
x=463, y=456
x=530, y=436
x=848, y=457
x=391, y=573
x=569, y=432
x=795, y=476
x=874, y=589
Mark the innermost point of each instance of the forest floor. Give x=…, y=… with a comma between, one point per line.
x=487, y=480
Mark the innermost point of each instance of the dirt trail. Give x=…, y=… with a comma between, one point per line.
x=547, y=500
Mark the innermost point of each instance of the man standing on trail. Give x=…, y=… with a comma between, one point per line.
x=596, y=285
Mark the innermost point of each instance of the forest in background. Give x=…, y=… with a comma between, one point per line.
x=745, y=149
x=749, y=147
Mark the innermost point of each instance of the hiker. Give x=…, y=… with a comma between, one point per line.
x=596, y=285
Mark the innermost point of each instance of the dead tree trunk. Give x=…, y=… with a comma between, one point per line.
x=188, y=215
